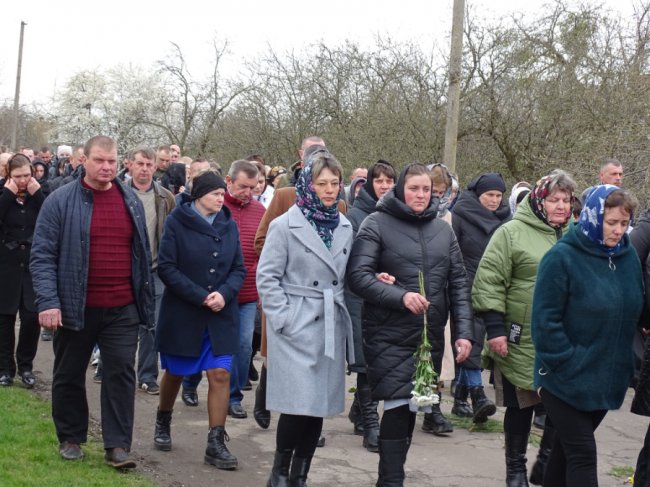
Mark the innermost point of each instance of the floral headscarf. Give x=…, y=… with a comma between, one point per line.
x=593, y=214
x=537, y=197
x=323, y=219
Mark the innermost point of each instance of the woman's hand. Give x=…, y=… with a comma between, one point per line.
x=11, y=186
x=215, y=301
x=386, y=278
x=415, y=303
x=499, y=345
x=463, y=347
x=32, y=186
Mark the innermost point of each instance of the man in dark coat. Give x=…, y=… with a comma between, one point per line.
x=92, y=276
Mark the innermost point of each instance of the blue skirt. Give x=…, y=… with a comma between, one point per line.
x=177, y=365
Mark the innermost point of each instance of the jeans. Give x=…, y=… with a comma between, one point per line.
x=242, y=360
x=147, y=355
x=116, y=332
x=573, y=461
x=469, y=377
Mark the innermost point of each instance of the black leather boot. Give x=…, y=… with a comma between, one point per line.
x=392, y=456
x=355, y=415
x=516, y=446
x=481, y=405
x=162, y=439
x=545, y=446
x=435, y=422
x=260, y=413
x=369, y=414
x=461, y=407
x=280, y=473
x=299, y=470
x=217, y=453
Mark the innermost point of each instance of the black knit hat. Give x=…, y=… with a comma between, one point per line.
x=491, y=181
x=205, y=183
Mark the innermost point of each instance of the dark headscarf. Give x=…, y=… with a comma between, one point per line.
x=372, y=174
x=401, y=182
x=322, y=218
x=537, y=197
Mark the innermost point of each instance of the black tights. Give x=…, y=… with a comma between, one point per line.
x=298, y=433
x=397, y=423
x=518, y=421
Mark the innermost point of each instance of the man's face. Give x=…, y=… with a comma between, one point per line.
x=612, y=175
x=46, y=156
x=242, y=186
x=75, y=160
x=359, y=172
x=175, y=152
x=197, y=167
x=142, y=170
x=100, y=166
x=29, y=153
x=163, y=160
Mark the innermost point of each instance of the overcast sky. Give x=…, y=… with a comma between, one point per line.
x=65, y=36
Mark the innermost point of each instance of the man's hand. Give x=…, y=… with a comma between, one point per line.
x=50, y=319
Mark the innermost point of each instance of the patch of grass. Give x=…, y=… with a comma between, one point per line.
x=491, y=426
x=621, y=472
x=29, y=450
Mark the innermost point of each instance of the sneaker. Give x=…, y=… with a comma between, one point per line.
x=6, y=380
x=97, y=378
x=150, y=388
x=119, y=458
x=248, y=386
x=70, y=451
x=28, y=379
x=46, y=335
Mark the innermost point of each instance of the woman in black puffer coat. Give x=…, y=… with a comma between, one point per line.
x=402, y=238
x=478, y=212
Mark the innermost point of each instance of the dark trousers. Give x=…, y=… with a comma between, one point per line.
x=27, y=342
x=573, y=460
x=642, y=472
x=116, y=332
x=298, y=433
x=147, y=354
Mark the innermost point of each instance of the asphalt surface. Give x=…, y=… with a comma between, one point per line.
x=463, y=458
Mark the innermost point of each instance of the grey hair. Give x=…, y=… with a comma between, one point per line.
x=560, y=180
x=242, y=165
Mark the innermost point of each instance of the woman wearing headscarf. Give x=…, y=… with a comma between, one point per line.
x=588, y=301
x=404, y=239
x=21, y=198
x=201, y=264
x=363, y=412
x=502, y=295
x=477, y=214
x=300, y=279
x=517, y=195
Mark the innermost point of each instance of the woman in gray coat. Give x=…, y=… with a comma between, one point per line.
x=300, y=280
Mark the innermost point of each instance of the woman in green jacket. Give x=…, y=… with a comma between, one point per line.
x=587, y=305
x=503, y=296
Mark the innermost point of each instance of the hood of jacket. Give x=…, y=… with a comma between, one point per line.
x=365, y=202
x=469, y=207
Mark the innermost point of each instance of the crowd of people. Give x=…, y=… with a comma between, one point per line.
x=171, y=264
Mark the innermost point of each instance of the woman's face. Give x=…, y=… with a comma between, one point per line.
x=327, y=187
x=417, y=192
x=21, y=176
x=558, y=207
x=491, y=199
x=261, y=185
x=211, y=202
x=39, y=171
x=615, y=223
x=382, y=185
x=439, y=190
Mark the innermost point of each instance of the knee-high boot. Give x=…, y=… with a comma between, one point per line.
x=516, y=446
x=260, y=413
x=545, y=446
x=369, y=414
x=392, y=457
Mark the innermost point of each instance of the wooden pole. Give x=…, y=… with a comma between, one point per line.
x=453, y=93
x=14, y=129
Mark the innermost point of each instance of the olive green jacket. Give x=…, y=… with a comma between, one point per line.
x=505, y=282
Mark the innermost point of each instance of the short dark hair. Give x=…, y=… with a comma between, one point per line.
x=146, y=152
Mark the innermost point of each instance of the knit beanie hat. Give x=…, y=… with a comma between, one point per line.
x=491, y=181
x=205, y=183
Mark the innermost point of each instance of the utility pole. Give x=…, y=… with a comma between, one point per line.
x=17, y=95
x=453, y=93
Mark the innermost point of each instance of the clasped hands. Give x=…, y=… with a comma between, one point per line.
x=214, y=301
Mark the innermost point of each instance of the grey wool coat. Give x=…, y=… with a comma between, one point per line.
x=300, y=282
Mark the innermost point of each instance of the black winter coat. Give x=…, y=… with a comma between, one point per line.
x=17, y=222
x=363, y=205
x=397, y=241
x=194, y=260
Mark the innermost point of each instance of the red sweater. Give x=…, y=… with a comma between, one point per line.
x=111, y=234
x=248, y=217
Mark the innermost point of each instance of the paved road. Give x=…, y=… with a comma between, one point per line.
x=463, y=459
